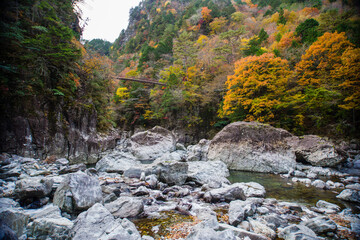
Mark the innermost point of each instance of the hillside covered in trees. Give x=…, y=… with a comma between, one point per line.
x=293, y=64
x=290, y=63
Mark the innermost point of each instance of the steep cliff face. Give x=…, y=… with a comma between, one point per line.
x=58, y=132
x=53, y=93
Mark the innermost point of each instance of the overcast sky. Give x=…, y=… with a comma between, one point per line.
x=106, y=18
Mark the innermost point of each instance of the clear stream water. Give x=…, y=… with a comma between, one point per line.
x=276, y=187
x=286, y=190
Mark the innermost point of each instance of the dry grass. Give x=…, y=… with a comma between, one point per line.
x=340, y=220
x=344, y=233
x=182, y=230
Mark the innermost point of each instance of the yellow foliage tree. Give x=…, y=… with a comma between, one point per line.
x=255, y=89
x=202, y=40
x=132, y=73
x=217, y=25
x=122, y=93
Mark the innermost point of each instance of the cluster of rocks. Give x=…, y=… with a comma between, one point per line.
x=319, y=177
x=150, y=173
x=259, y=218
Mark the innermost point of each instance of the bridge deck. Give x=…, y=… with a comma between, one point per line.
x=142, y=80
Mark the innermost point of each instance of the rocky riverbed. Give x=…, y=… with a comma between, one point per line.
x=152, y=187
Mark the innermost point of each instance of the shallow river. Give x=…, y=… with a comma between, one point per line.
x=276, y=187
x=284, y=189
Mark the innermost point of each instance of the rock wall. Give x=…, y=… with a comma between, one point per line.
x=59, y=132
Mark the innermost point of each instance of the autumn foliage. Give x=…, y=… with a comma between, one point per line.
x=293, y=64
x=321, y=59
x=349, y=72
x=206, y=14
x=255, y=90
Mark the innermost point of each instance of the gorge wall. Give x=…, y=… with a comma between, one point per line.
x=56, y=131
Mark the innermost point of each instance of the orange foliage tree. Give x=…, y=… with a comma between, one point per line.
x=322, y=58
x=206, y=14
x=328, y=81
x=349, y=72
x=287, y=40
x=256, y=88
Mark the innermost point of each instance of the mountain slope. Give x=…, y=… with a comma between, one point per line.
x=204, y=51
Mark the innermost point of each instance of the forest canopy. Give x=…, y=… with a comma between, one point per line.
x=291, y=63
x=285, y=62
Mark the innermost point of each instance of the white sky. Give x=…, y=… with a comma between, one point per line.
x=106, y=18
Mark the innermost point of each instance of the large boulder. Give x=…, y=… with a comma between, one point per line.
x=240, y=233
x=6, y=232
x=50, y=228
x=260, y=228
x=208, y=229
x=252, y=146
x=72, y=168
x=173, y=173
x=125, y=207
x=11, y=169
x=13, y=216
x=116, y=162
x=316, y=151
x=198, y=152
x=210, y=234
x=213, y=173
x=78, y=192
x=240, y=210
x=322, y=224
x=236, y=212
x=97, y=223
x=152, y=143
x=252, y=189
x=328, y=206
x=274, y=221
x=298, y=232
x=33, y=187
x=47, y=223
x=349, y=195
x=225, y=194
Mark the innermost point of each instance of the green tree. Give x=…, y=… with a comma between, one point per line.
x=184, y=50
x=282, y=19
x=232, y=45
x=254, y=45
x=99, y=45
x=308, y=31
x=38, y=55
x=332, y=20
